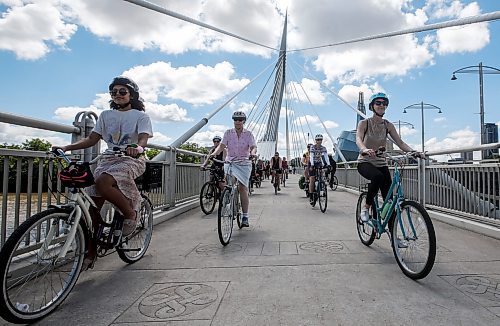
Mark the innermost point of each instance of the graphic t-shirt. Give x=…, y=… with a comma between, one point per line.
x=122, y=128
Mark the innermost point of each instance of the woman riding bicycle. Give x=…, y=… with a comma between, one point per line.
x=371, y=134
x=218, y=167
x=276, y=168
x=127, y=127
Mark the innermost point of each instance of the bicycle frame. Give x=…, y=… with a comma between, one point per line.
x=380, y=225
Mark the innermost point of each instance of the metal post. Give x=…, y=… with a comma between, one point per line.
x=481, y=107
x=170, y=177
x=422, y=109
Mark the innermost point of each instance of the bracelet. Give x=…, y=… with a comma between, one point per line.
x=138, y=147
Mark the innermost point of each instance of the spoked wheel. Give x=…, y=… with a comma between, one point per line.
x=414, y=240
x=34, y=279
x=237, y=213
x=366, y=231
x=208, y=197
x=225, y=217
x=283, y=177
x=335, y=183
x=322, y=196
x=134, y=246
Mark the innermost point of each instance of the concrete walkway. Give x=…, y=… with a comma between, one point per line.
x=293, y=266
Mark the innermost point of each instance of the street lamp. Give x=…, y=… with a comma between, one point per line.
x=421, y=106
x=403, y=123
x=478, y=69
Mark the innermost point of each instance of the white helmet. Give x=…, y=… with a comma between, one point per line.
x=318, y=137
x=239, y=115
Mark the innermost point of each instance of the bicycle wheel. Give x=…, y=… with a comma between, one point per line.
x=275, y=188
x=322, y=196
x=225, y=217
x=283, y=181
x=335, y=183
x=366, y=231
x=134, y=246
x=415, y=248
x=34, y=281
x=237, y=213
x=208, y=196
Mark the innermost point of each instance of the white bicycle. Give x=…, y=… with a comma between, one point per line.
x=41, y=261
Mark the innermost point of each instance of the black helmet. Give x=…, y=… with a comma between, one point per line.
x=125, y=81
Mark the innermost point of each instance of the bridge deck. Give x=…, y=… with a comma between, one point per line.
x=293, y=266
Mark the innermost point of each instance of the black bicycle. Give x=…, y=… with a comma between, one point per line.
x=320, y=189
x=210, y=191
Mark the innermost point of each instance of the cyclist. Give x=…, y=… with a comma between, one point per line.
x=305, y=162
x=333, y=164
x=240, y=144
x=317, y=159
x=371, y=134
x=219, y=167
x=284, y=163
x=127, y=127
x=276, y=168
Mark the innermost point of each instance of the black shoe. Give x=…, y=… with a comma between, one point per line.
x=244, y=222
x=279, y=189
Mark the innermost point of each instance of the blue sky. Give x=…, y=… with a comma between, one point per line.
x=58, y=57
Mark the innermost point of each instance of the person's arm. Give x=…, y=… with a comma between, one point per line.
x=253, y=150
x=142, y=142
x=360, y=132
x=401, y=144
x=326, y=160
x=220, y=148
x=89, y=141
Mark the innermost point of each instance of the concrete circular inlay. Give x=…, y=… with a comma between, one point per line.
x=480, y=285
x=176, y=301
x=322, y=246
x=216, y=248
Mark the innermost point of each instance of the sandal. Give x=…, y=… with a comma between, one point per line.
x=129, y=226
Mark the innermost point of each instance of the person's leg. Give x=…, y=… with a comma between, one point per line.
x=376, y=177
x=279, y=176
x=106, y=187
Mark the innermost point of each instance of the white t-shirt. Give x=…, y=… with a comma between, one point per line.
x=122, y=128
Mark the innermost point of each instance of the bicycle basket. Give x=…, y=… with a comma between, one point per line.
x=77, y=175
x=152, y=177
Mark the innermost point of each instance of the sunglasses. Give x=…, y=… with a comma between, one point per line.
x=121, y=91
x=239, y=119
x=384, y=103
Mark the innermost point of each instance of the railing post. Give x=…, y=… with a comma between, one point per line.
x=170, y=177
x=423, y=182
x=85, y=121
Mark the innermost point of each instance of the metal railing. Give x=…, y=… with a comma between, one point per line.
x=469, y=190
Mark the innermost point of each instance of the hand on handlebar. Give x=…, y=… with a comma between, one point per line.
x=417, y=154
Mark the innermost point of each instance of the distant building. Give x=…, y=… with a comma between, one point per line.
x=467, y=156
x=490, y=136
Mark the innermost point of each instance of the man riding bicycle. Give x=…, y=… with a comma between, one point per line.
x=317, y=159
x=218, y=167
x=276, y=168
x=284, y=164
x=240, y=144
x=333, y=164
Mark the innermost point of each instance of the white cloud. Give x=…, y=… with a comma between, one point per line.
x=166, y=113
x=30, y=29
x=12, y=134
x=308, y=90
x=330, y=124
x=204, y=138
x=306, y=120
x=196, y=85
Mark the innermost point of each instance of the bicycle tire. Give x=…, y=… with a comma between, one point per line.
x=275, y=188
x=335, y=183
x=134, y=246
x=225, y=217
x=208, y=198
x=366, y=231
x=406, y=250
x=237, y=213
x=24, y=273
x=322, y=196
x=284, y=181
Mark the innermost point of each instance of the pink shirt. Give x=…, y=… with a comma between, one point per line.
x=238, y=147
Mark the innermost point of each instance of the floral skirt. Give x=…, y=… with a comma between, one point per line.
x=124, y=170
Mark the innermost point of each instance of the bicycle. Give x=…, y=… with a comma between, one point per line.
x=334, y=184
x=276, y=184
x=320, y=190
x=229, y=207
x=41, y=261
x=210, y=191
x=407, y=224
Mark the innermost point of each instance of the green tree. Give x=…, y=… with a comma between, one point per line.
x=193, y=147
x=36, y=144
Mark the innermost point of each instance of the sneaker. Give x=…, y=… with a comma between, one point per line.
x=244, y=222
x=279, y=189
x=365, y=216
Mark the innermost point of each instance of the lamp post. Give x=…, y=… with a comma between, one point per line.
x=422, y=106
x=402, y=123
x=480, y=69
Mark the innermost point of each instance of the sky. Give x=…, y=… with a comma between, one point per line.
x=58, y=57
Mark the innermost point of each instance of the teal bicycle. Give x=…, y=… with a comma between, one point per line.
x=407, y=224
